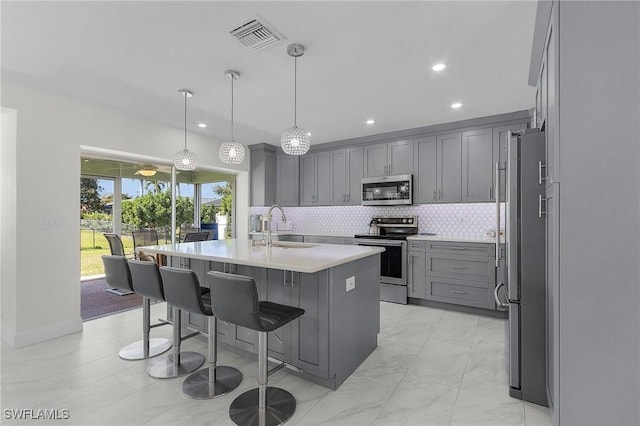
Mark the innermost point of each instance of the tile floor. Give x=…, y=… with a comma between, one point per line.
x=431, y=367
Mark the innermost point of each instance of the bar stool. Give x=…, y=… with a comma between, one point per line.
x=182, y=290
x=118, y=275
x=178, y=363
x=236, y=301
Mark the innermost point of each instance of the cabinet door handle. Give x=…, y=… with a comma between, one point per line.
x=459, y=267
x=458, y=292
x=434, y=195
x=348, y=197
x=457, y=248
x=540, y=200
x=490, y=193
x=439, y=194
x=540, y=167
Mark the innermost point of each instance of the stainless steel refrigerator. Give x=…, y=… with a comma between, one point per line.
x=521, y=270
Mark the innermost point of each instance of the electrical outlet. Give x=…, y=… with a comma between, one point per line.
x=351, y=283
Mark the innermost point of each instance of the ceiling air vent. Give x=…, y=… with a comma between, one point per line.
x=255, y=33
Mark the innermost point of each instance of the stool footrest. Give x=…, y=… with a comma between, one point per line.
x=276, y=368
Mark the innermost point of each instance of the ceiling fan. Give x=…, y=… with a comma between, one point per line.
x=147, y=170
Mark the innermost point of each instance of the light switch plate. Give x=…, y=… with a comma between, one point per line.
x=351, y=283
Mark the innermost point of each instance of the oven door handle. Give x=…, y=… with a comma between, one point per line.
x=380, y=243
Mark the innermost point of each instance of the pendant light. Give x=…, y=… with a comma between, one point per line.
x=231, y=152
x=185, y=160
x=295, y=141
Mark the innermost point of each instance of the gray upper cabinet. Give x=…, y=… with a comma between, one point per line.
x=287, y=180
x=263, y=175
x=339, y=175
x=385, y=159
x=425, y=175
x=315, y=179
x=438, y=169
x=449, y=168
x=477, y=162
x=346, y=173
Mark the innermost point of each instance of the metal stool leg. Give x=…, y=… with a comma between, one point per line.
x=213, y=381
x=264, y=405
x=178, y=363
x=145, y=348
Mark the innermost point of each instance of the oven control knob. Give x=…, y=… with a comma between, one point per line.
x=404, y=220
x=410, y=220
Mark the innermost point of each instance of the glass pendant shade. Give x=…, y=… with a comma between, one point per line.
x=295, y=141
x=231, y=152
x=185, y=160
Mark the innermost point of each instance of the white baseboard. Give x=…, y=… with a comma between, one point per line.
x=30, y=337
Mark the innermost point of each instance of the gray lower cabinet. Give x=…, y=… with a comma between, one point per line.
x=336, y=333
x=320, y=239
x=455, y=272
x=417, y=270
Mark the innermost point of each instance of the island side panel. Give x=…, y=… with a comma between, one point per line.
x=354, y=315
x=310, y=333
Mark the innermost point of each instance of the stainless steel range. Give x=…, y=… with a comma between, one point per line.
x=391, y=232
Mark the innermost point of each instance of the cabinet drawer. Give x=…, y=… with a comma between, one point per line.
x=460, y=267
x=468, y=293
x=417, y=245
x=466, y=249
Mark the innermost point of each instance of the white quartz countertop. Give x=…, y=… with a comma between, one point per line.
x=288, y=256
x=456, y=238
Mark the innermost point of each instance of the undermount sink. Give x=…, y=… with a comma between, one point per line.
x=288, y=244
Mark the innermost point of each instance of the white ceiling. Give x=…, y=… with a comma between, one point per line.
x=363, y=60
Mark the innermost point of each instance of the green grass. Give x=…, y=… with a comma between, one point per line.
x=92, y=246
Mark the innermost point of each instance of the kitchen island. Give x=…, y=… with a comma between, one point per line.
x=336, y=285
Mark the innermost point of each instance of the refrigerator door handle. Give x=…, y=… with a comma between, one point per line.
x=498, y=212
x=497, y=297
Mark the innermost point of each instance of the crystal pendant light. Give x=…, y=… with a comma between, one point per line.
x=231, y=152
x=295, y=141
x=185, y=160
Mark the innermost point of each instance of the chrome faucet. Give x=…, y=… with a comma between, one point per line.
x=268, y=241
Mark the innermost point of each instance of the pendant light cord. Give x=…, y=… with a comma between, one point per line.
x=232, y=140
x=295, y=90
x=185, y=120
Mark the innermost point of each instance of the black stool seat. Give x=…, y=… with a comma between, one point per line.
x=235, y=300
x=183, y=290
x=274, y=315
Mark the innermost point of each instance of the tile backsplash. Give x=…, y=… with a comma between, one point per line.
x=463, y=220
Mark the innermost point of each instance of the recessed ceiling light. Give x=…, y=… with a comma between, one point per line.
x=370, y=121
x=438, y=67
x=456, y=105
x=202, y=125
x=308, y=133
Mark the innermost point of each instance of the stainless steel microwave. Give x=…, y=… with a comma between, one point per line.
x=387, y=190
